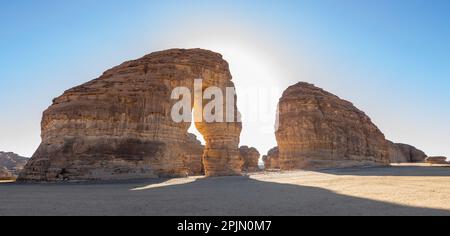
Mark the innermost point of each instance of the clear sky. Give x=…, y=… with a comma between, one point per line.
x=390, y=58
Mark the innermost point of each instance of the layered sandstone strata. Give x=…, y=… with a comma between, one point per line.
x=404, y=153
x=272, y=160
x=250, y=158
x=119, y=126
x=319, y=130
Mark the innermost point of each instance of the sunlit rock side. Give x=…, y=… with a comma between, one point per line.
x=250, y=158
x=119, y=125
x=319, y=130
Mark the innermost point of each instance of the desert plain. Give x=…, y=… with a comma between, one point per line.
x=403, y=189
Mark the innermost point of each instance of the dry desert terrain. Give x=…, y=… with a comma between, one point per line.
x=417, y=189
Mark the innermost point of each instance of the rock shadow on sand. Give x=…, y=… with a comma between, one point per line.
x=195, y=196
x=247, y=196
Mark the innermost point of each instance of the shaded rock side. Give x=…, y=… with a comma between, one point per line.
x=404, y=153
x=119, y=125
x=272, y=160
x=250, y=158
x=317, y=130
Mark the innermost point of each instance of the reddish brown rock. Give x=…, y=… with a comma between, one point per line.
x=319, y=130
x=437, y=160
x=250, y=158
x=119, y=125
x=271, y=160
x=404, y=153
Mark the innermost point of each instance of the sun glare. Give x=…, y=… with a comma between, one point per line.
x=255, y=76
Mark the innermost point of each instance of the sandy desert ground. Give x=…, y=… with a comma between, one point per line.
x=397, y=190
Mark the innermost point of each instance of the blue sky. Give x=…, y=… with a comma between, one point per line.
x=391, y=58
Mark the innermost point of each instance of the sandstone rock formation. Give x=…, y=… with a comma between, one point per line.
x=319, y=130
x=404, y=153
x=271, y=160
x=11, y=163
x=250, y=158
x=437, y=160
x=119, y=126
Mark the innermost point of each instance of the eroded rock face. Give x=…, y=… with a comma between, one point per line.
x=404, y=153
x=272, y=160
x=119, y=125
x=319, y=130
x=250, y=158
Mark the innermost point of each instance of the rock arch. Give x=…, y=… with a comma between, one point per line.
x=119, y=125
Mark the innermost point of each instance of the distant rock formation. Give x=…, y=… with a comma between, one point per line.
x=437, y=160
x=5, y=174
x=11, y=164
x=119, y=125
x=319, y=130
x=250, y=158
x=271, y=160
x=404, y=153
